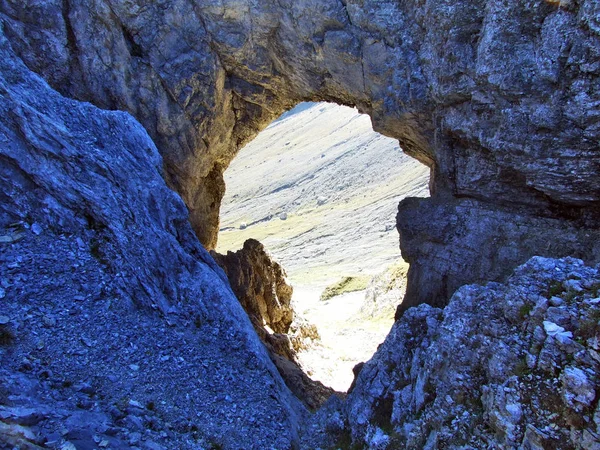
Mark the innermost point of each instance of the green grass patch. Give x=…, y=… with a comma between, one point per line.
x=525, y=310
x=555, y=289
x=345, y=285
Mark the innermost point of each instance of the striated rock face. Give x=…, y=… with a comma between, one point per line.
x=116, y=325
x=499, y=99
x=452, y=242
x=510, y=365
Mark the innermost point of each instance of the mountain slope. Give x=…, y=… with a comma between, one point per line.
x=320, y=189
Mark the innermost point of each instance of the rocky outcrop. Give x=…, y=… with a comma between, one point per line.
x=510, y=365
x=117, y=328
x=499, y=99
x=109, y=300
x=452, y=242
x=261, y=286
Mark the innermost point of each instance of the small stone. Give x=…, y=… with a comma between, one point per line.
x=103, y=443
x=134, y=367
x=515, y=410
x=36, y=229
x=85, y=403
x=283, y=216
x=85, y=388
x=151, y=445
x=135, y=423
x=87, y=342
x=4, y=320
x=552, y=329
x=556, y=301
x=578, y=391
x=135, y=404
x=52, y=439
x=12, y=238
x=49, y=321
x=68, y=446
x=573, y=285
x=134, y=438
x=2, y=293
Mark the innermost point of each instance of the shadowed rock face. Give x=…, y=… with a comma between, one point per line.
x=108, y=301
x=499, y=99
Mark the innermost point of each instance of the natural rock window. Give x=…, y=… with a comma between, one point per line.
x=320, y=189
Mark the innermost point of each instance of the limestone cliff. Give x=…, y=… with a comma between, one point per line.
x=499, y=99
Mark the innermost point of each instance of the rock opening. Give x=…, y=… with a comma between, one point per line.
x=319, y=188
x=442, y=78
x=119, y=330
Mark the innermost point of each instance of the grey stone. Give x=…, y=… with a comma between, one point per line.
x=577, y=390
x=36, y=229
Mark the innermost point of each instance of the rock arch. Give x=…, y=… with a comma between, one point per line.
x=499, y=99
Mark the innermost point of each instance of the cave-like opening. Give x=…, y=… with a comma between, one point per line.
x=319, y=188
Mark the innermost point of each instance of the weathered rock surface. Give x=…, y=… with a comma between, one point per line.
x=452, y=242
x=117, y=327
x=262, y=288
x=260, y=284
x=510, y=365
x=500, y=99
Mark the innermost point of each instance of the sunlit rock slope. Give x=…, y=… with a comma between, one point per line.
x=320, y=189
